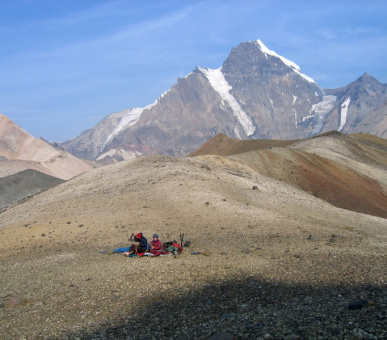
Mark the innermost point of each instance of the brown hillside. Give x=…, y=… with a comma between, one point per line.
x=222, y=145
x=346, y=171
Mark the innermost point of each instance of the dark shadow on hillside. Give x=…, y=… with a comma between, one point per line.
x=251, y=308
x=24, y=184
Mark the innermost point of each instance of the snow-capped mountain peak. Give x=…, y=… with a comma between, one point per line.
x=287, y=62
x=255, y=94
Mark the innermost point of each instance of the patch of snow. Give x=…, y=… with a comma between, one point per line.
x=220, y=85
x=129, y=118
x=287, y=62
x=295, y=117
x=309, y=79
x=323, y=107
x=306, y=118
x=344, y=113
x=294, y=99
x=319, y=110
x=271, y=102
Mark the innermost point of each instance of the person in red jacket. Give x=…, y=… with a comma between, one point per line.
x=156, y=247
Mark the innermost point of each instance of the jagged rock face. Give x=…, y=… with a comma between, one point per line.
x=362, y=107
x=270, y=92
x=184, y=118
x=256, y=94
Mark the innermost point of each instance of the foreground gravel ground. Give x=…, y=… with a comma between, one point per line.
x=255, y=309
x=283, y=264
x=250, y=295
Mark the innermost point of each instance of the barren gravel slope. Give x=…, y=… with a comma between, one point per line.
x=348, y=171
x=283, y=263
x=362, y=153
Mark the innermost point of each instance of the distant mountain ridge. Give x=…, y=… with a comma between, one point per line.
x=20, y=151
x=256, y=94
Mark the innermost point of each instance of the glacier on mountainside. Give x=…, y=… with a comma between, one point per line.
x=220, y=85
x=129, y=118
x=319, y=111
x=344, y=112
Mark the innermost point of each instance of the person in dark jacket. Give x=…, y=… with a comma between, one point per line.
x=139, y=247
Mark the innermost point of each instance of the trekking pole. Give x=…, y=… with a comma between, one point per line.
x=181, y=240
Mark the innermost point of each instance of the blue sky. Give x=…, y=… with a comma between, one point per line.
x=66, y=64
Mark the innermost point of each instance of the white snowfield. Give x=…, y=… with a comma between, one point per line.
x=344, y=112
x=220, y=85
x=325, y=106
x=322, y=108
x=287, y=62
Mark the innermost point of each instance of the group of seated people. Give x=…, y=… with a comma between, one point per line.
x=154, y=248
